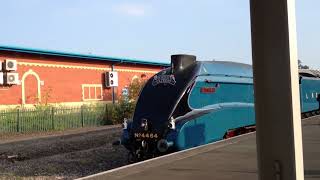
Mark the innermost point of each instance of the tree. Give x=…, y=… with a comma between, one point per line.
x=301, y=66
x=135, y=87
x=126, y=104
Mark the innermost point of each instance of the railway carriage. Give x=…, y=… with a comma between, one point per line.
x=197, y=102
x=309, y=92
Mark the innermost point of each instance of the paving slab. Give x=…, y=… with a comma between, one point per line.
x=225, y=160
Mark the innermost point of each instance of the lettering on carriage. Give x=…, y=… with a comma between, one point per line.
x=163, y=79
x=207, y=90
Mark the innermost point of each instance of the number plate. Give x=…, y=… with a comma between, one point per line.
x=146, y=135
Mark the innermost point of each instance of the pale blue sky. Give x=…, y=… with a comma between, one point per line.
x=147, y=29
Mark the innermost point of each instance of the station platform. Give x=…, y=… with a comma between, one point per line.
x=230, y=159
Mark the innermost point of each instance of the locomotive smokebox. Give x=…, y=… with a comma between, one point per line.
x=181, y=61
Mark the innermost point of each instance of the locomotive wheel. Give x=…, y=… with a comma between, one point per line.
x=307, y=115
x=132, y=158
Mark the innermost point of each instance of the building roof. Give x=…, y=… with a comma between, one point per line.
x=81, y=56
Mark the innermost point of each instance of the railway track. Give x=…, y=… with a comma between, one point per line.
x=62, y=157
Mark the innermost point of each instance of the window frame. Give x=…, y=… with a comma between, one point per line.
x=90, y=86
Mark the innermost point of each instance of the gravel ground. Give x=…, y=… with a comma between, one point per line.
x=62, y=157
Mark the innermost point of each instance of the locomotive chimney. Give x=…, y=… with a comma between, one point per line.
x=181, y=61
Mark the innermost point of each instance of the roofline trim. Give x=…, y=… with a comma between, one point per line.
x=81, y=56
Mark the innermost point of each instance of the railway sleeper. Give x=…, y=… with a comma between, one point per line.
x=12, y=158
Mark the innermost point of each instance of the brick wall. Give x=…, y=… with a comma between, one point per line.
x=65, y=79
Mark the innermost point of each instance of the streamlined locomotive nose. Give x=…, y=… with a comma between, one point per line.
x=153, y=116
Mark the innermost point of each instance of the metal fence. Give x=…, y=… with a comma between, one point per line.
x=52, y=118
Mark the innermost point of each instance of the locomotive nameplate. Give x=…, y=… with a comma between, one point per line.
x=146, y=135
x=163, y=79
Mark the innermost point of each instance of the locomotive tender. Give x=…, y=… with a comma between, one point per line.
x=194, y=102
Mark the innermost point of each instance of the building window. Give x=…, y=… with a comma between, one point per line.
x=92, y=92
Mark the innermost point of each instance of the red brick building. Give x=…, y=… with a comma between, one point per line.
x=59, y=77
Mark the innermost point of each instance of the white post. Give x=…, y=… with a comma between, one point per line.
x=277, y=104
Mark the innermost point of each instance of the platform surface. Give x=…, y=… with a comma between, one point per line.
x=234, y=159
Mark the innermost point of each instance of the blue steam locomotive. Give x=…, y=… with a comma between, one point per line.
x=194, y=102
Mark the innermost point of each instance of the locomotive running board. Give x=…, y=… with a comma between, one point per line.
x=195, y=113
